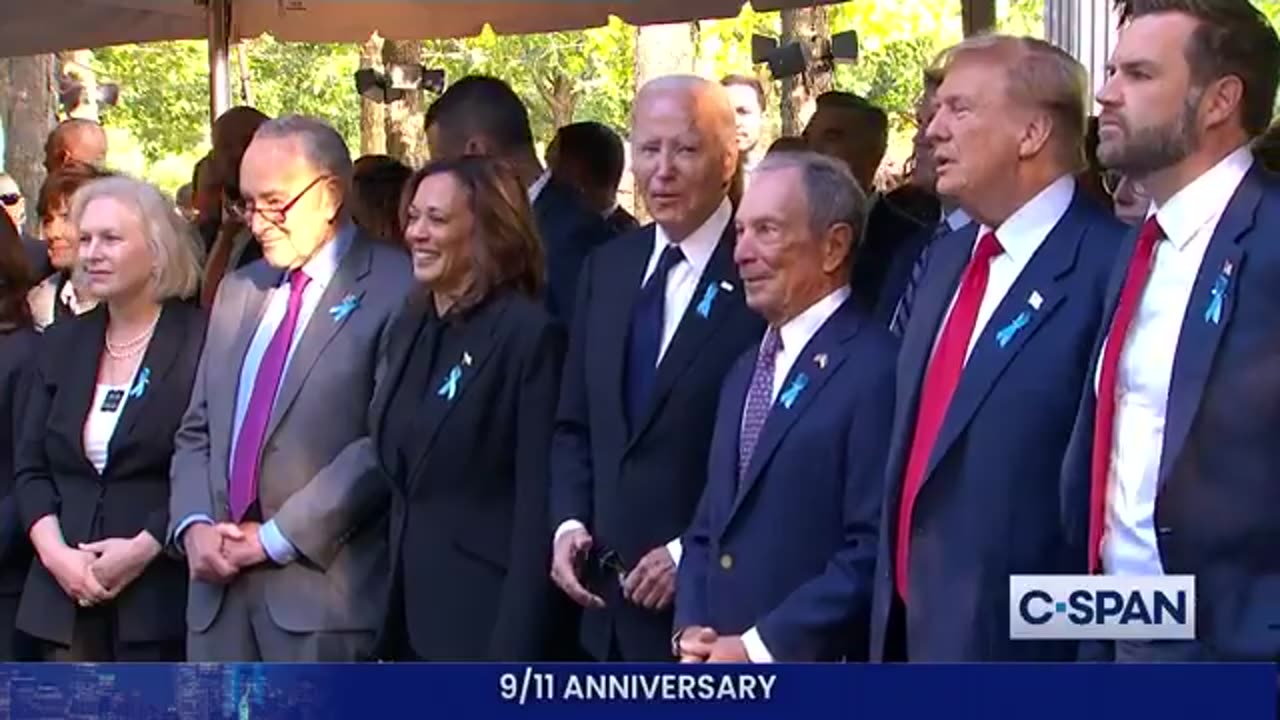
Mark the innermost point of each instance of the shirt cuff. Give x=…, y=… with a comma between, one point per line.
x=675, y=549
x=566, y=526
x=275, y=544
x=187, y=522
x=756, y=651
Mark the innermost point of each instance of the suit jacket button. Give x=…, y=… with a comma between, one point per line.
x=726, y=561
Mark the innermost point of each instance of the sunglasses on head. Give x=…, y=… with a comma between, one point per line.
x=10, y=198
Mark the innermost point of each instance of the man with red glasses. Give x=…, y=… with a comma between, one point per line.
x=276, y=499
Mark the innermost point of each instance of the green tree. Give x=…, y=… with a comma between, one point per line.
x=164, y=88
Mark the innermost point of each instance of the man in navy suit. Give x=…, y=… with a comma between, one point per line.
x=660, y=319
x=779, y=560
x=1174, y=467
x=993, y=361
x=481, y=115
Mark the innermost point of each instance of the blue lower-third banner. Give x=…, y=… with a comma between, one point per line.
x=565, y=692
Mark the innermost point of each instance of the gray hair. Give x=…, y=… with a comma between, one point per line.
x=833, y=195
x=175, y=253
x=322, y=146
x=703, y=93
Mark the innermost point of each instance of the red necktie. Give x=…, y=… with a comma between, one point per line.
x=940, y=380
x=1105, y=413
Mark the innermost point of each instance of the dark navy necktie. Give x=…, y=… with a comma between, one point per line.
x=902, y=312
x=646, y=335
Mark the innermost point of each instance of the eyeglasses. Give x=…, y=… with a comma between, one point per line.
x=244, y=211
x=10, y=199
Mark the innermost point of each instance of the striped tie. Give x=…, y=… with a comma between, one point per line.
x=902, y=312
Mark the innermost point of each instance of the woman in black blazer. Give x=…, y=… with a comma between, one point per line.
x=109, y=389
x=17, y=348
x=463, y=424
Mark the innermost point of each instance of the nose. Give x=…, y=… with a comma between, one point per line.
x=666, y=164
x=1108, y=94
x=936, y=130
x=744, y=248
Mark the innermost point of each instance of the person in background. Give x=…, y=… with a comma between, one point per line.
x=590, y=157
x=1171, y=468
x=779, y=560
x=788, y=143
x=851, y=129
x=1129, y=201
x=61, y=294
x=463, y=424
x=231, y=242
x=993, y=361
x=77, y=141
x=481, y=115
x=17, y=352
x=747, y=96
x=15, y=206
x=185, y=201
x=1092, y=179
x=662, y=319
x=1267, y=148
x=277, y=499
x=107, y=393
x=377, y=182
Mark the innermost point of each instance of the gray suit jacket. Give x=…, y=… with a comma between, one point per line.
x=319, y=480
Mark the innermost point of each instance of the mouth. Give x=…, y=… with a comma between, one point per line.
x=422, y=256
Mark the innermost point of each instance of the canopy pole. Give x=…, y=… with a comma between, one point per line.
x=219, y=58
x=978, y=16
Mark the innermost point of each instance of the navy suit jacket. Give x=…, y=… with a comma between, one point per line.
x=989, y=506
x=636, y=488
x=1217, y=512
x=792, y=552
x=570, y=231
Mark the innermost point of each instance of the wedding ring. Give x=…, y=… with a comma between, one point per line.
x=84, y=603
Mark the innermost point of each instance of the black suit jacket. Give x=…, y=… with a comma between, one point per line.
x=637, y=490
x=620, y=221
x=570, y=231
x=888, y=228
x=17, y=353
x=131, y=494
x=37, y=257
x=469, y=547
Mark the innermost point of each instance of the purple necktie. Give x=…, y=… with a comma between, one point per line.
x=253, y=430
x=759, y=399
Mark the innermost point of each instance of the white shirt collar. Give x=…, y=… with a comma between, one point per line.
x=1026, y=229
x=799, y=330
x=957, y=219
x=536, y=188
x=701, y=243
x=324, y=264
x=1203, y=199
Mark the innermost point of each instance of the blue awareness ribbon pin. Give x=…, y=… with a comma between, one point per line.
x=449, y=388
x=708, y=297
x=793, y=390
x=1008, y=331
x=140, y=386
x=1213, y=313
x=344, y=308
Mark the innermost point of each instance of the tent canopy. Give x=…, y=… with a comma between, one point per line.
x=54, y=25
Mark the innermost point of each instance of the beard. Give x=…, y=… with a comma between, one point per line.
x=1150, y=149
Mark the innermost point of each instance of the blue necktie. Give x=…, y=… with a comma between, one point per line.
x=902, y=312
x=646, y=335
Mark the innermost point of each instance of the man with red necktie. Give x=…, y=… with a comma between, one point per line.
x=1173, y=465
x=993, y=361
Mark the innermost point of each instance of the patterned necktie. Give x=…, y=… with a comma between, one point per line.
x=759, y=399
x=1135, y=280
x=253, y=430
x=902, y=312
x=646, y=334
x=941, y=377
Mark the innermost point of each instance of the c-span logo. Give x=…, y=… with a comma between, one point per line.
x=1102, y=607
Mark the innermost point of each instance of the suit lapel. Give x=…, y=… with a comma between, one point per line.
x=1202, y=327
x=446, y=394
x=163, y=350
x=704, y=315
x=245, y=318
x=403, y=338
x=1030, y=302
x=803, y=384
x=615, y=334
x=82, y=377
x=324, y=324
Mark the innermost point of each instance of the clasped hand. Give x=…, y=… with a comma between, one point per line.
x=96, y=572
x=217, y=553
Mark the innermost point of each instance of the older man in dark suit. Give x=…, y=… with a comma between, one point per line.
x=660, y=319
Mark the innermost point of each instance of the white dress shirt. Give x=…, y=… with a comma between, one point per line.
x=536, y=188
x=1020, y=236
x=682, y=283
x=101, y=423
x=795, y=334
x=1189, y=218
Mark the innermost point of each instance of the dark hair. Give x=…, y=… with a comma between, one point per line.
x=15, y=278
x=377, y=182
x=745, y=81
x=597, y=148
x=483, y=105
x=1232, y=38
x=788, y=143
x=506, y=247
x=875, y=116
x=232, y=132
x=1266, y=148
x=58, y=187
